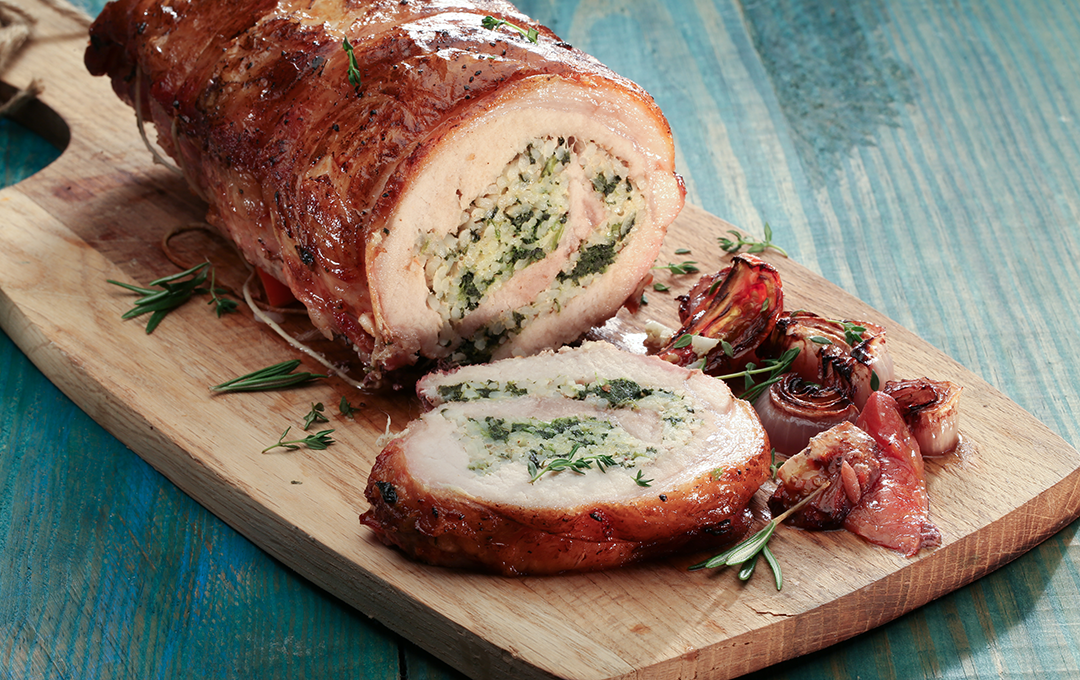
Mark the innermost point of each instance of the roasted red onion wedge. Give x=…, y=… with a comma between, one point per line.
x=931, y=411
x=895, y=512
x=737, y=306
x=849, y=355
x=793, y=410
x=845, y=457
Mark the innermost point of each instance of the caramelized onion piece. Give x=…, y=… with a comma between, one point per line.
x=793, y=410
x=835, y=352
x=738, y=306
x=844, y=456
x=931, y=411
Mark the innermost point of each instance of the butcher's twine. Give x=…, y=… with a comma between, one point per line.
x=16, y=30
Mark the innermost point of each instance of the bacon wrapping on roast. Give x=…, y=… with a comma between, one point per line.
x=464, y=194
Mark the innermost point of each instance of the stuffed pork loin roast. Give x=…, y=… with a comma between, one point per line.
x=465, y=193
x=581, y=459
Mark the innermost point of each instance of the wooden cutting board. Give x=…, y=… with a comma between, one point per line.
x=101, y=211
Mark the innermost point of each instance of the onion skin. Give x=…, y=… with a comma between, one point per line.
x=738, y=305
x=845, y=457
x=794, y=410
x=931, y=411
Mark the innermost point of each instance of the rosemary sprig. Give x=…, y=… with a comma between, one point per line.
x=318, y=441
x=773, y=368
x=640, y=481
x=274, y=377
x=753, y=246
x=746, y=553
x=354, y=69
x=491, y=22
x=315, y=415
x=569, y=462
x=684, y=267
x=163, y=295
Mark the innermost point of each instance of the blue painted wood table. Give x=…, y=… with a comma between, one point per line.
x=923, y=156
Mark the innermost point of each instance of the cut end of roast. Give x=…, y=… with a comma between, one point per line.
x=582, y=459
x=525, y=227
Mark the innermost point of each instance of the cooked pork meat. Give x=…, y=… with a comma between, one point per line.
x=845, y=458
x=581, y=459
x=463, y=194
x=876, y=476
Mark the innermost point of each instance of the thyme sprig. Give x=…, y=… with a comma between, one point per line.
x=274, y=377
x=569, y=462
x=163, y=295
x=530, y=33
x=354, y=69
x=684, y=267
x=347, y=410
x=319, y=441
x=315, y=415
x=746, y=553
x=641, y=481
x=222, y=305
x=753, y=246
x=774, y=369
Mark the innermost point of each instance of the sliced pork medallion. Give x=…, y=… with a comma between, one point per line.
x=462, y=193
x=582, y=459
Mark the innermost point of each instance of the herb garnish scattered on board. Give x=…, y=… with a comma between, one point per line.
x=274, y=377
x=746, y=553
x=319, y=440
x=163, y=295
x=753, y=246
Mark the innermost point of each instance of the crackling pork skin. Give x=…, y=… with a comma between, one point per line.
x=483, y=479
x=472, y=195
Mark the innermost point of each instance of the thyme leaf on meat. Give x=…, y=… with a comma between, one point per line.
x=752, y=245
x=746, y=553
x=354, y=69
x=319, y=441
x=640, y=481
x=569, y=462
x=274, y=377
x=773, y=369
x=492, y=23
x=315, y=415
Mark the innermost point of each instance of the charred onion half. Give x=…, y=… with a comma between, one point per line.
x=793, y=410
x=738, y=307
x=851, y=356
x=931, y=411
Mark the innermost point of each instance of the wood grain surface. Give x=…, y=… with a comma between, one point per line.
x=866, y=192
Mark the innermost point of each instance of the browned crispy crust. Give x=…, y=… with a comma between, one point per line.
x=442, y=527
x=297, y=165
